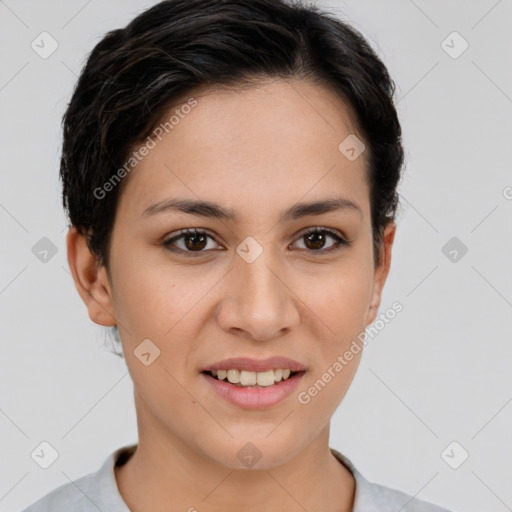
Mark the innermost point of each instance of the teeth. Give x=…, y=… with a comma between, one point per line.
x=233, y=376
x=265, y=378
x=247, y=378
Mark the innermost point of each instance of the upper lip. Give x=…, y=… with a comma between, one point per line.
x=256, y=365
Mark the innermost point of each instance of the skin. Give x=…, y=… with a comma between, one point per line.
x=239, y=149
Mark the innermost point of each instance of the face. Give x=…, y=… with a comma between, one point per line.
x=257, y=285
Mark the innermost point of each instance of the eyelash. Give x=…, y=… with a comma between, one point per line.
x=340, y=241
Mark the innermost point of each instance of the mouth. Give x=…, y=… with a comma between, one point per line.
x=249, y=394
x=252, y=379
x=250, y=383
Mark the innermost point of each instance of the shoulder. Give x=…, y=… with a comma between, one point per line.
x=90, y=493
x=70, y=496
x=372, y=497
x=386, y=499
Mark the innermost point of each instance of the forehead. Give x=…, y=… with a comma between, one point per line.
x=275, y=139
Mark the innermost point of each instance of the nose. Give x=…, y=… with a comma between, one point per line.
x=259, y=302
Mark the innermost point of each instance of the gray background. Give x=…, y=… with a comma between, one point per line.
x=439, y=372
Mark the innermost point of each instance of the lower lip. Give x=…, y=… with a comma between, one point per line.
x=255, y=398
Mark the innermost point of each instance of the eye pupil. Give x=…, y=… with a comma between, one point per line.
x=317, y=239
x=195, y=238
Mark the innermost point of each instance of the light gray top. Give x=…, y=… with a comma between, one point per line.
x=98, y=491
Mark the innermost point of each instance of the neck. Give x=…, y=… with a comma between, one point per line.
x=164, y=474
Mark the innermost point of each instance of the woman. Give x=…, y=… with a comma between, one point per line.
x=230, y=172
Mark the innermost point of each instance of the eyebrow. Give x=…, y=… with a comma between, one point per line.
x=209, y=209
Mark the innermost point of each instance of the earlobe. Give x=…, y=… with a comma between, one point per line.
x=90, y=279
x=381, y=271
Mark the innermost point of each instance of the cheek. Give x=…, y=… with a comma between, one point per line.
x=338, y=316
x=165, y=304
x=150, y=296
x=338, y=305
x=340, y=297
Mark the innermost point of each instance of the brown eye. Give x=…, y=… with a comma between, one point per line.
x=316, y=240
x=192, y=241
x=195, y=242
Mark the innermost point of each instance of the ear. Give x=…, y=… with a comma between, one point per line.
x=90, y=278
x=381, y=271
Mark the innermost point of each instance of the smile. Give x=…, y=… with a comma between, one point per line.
x=245, y=378
x=254, y=396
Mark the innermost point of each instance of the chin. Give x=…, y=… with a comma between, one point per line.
x=257, y=452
